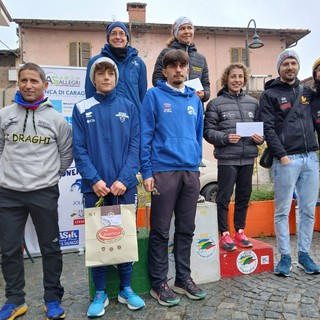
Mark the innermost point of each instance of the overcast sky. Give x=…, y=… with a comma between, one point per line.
x=294, y=14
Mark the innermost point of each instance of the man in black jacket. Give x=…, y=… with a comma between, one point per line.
x=295, y=164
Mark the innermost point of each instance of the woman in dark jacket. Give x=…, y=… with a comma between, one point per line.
x=235, y=154
x=132, y=82
x=183, y=32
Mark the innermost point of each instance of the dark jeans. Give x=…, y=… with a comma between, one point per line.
x=241, y=178
x=178, y=192
x=15, y=208
x=99, y=274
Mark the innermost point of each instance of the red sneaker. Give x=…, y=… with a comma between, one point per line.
x=241, y=240
x=226, y=242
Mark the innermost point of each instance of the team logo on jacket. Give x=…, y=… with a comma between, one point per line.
x=304, y=100
x=89, y=117
x=318, y=117
x=12, y=121
x=284, y=103
x=191, y=110
x=167, y=107
x=250, y=115
x=44, y=124
x=122, y=116
x=135, y=63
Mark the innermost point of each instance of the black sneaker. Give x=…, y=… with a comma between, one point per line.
x=190, y=289
x=165, y=295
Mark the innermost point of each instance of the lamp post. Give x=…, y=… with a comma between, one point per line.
x=255, y=44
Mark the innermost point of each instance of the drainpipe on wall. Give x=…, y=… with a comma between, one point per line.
x=4, y=94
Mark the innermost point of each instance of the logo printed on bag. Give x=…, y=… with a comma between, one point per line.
x=110, y=234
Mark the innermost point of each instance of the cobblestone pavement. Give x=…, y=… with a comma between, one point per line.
x=256, y=296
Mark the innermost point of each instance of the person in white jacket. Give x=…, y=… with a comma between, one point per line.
x=35, y=151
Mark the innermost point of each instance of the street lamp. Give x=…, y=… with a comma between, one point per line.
x=255, y=44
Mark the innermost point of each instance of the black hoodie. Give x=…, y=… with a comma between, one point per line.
x=275, y=102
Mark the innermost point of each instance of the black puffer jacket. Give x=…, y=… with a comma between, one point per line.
x=221, y=116
x=298, y=136
x=198, y=66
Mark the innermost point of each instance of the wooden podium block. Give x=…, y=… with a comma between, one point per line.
x=204, y=260
x=245, y=261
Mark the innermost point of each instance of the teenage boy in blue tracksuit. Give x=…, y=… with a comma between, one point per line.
x=106, y=152
x=171, y=120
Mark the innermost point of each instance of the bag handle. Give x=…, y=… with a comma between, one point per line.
x=99, y=203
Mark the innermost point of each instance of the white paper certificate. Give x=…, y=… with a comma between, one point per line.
x=195, y=84
x=247, y=129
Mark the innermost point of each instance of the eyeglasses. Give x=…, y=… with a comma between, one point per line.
x=120, y=34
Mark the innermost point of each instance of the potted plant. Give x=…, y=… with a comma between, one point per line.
x=260, y=215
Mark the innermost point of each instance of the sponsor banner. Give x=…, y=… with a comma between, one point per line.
x=69, y=238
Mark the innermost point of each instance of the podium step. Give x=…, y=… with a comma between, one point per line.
x=245, y=261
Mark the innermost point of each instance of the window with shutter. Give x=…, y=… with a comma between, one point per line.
x=73, y=56
x=85, y=53
x=79, y=53
x=238, y=55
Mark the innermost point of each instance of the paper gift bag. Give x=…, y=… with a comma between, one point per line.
x=110, y=235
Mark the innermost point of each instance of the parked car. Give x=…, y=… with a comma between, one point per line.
x=208, y=180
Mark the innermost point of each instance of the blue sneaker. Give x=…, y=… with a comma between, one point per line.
x=284, y=266
x=54, y=310
x=307, y=264
x=100, y=301
x=128, y=297
x=10, y=311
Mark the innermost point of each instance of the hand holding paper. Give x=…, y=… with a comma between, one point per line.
x=247, y=129
x=194, y=83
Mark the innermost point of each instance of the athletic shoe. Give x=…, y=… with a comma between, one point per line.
x=307, y=264
x=54, y=310
x=190, y=289
x=128, y=297
x=100, y=301
x=165, y=296
x=284, y=266
x=241, y=240
x=226, y=242
x=10, y=311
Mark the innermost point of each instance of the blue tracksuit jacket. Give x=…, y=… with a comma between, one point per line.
x=106, y=136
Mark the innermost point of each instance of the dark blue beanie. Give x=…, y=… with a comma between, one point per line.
x=120, y=25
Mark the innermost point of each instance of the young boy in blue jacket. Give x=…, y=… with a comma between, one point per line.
x=106, y=137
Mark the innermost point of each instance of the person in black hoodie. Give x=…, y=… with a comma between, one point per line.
x=295, y=164
x=183, y=32
x=235, y=154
